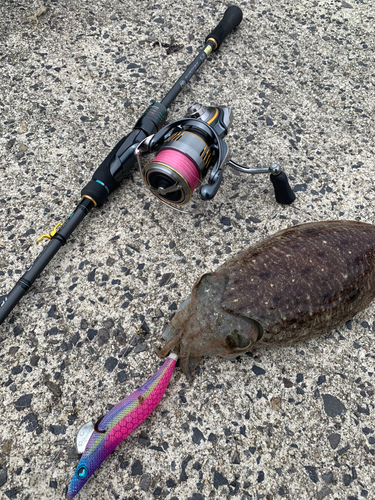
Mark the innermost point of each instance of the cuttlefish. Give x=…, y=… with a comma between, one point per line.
x=301, y=282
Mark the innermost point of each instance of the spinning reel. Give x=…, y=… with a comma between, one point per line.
x=187, y=149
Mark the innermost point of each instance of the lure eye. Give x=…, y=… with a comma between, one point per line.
x=82, y=472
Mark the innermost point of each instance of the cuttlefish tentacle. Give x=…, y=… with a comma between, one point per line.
x=173, y=343
x=184, y=363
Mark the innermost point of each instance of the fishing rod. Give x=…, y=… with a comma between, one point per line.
x=120, y=160
x=186, y=150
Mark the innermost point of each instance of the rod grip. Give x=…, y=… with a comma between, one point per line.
x=232, y=18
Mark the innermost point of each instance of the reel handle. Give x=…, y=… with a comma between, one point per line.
x=232, y=18
x=283, y=192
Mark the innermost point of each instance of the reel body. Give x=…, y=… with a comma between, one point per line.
x=187, y=149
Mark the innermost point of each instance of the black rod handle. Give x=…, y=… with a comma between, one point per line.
x=232, y=18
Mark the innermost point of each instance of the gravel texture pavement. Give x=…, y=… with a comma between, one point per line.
x=293, y=423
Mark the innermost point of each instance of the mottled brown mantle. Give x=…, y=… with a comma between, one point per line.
x=301, y=282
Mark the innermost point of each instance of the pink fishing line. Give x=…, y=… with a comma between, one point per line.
x=182, y=164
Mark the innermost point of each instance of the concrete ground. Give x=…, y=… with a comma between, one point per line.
x=294, y=422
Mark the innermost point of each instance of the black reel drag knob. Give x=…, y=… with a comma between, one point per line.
x=283, y=192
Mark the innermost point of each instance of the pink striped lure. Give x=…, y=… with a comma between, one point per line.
x=119, y=422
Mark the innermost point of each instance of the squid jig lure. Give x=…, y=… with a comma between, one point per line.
x=98, y=441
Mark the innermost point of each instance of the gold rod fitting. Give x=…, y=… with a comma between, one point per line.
x=214, y=42
x=91, y=199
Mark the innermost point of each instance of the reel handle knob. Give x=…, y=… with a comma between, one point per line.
x=232, y=18
x=208, y=191
x=283, y=191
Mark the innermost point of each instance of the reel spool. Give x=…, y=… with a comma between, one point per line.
x=178, y=168
x=187, y=149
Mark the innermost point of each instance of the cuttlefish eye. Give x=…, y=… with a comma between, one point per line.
x=243, y=332
x=236, y=340
x=82, y=472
